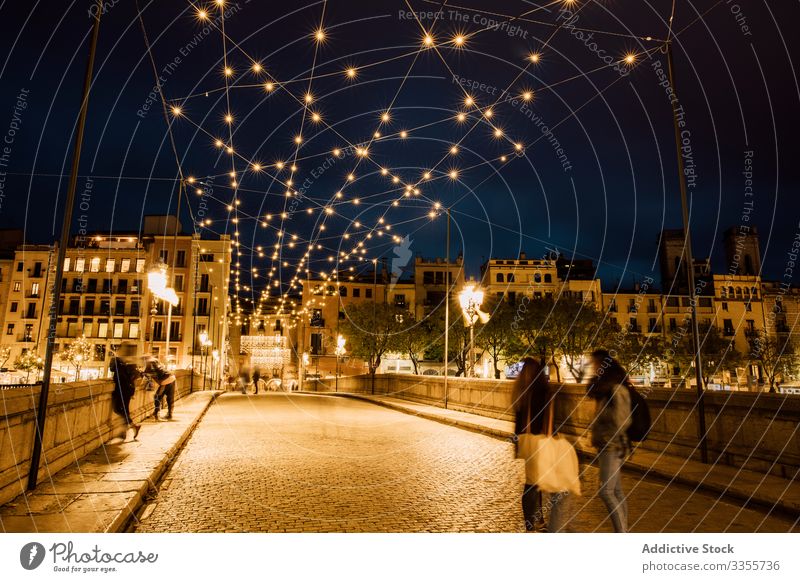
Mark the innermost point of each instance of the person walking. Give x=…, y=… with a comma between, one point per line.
x=125, y=374
x=165, y=382
x=256, y=377
x=532, y=400
x=609, y=390
x=244, y=379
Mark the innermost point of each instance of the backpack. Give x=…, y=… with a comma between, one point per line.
x=640, y=416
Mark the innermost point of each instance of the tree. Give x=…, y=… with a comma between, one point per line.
x=5, y=354
x=496, y=337
x=372, y=330
x=635, y=352
x=777, y=355
x=533, y=336
x=576, y=328
x=418, y=337
x=27, y=362
x=77, y=354
x=717, y=352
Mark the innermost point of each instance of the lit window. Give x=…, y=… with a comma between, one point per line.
x=110, y=264
x=125, y=266
x=94, y=265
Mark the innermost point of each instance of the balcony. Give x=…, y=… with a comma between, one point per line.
x=654, y=329
x=729, y=332
x=24, y=337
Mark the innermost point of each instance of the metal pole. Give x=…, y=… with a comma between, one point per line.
x=374, y=305
x=41, y=410
x=471, y=347
x=447, y=307
x=169, y=325
x=689, y=263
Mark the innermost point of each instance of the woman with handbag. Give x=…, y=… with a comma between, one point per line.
x=609, y=426
x=533, y=407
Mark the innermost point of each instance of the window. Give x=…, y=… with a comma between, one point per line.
x=80, y=265
x=316, y=318
x=34, y=289
x=118, y=326
x=673, y=324
x=135, y=307
x=158, y=331
x=94, y=265
x=140, y=265
x=633, y=326
x=206, y=258
x=10, y=329
x=356, y=292
x=548, y=278
x=133, y=330
x=400, y=300
x=88, y=308
x=31, y=314
x=727, y=327
x=125, y=266
x=119, y=307
x=651, y=305
x=499, y=277
x=368, y=293
x=316, y=344
x=74, y=306
x=705, y=302
x=92, y=287
x=175, y=330
x=751, y=326
x=17, y=285
x=28, y=334
x=163, y=254
x=204, y=283
x=180, y=259
x=110, y=264
x=105, y=307
x=122, y=286
x=106, y=285
x=537, y=278
x=342, y=291
x=100, y=352
x=66, y=264
x=439, y=277
x=652, y=325
x=14, y=306
x=612, y=307
x=724, y=306
x=510, y=278
x=427, y=278
x=87, y=328
x=178, y=282
x=19, y=267
x=672, y=302
x=748, y=306
x=102, y=328
x=202, y=306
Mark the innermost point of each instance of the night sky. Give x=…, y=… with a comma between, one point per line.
x=606, y=195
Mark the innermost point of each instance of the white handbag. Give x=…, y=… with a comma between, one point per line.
x=550, y=461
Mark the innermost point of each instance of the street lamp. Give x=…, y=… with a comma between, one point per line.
x=215, y=359
x=470, y=299
x=205, y=343
x=157, y=284
x=340, y=352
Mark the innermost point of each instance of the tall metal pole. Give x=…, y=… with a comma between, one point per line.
x=689, y=263
x=447, y=307
x=374, y=305
x=41, y=410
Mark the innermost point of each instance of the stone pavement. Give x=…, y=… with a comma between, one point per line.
x=766, y=491
x=317, y=463
x=101, y=491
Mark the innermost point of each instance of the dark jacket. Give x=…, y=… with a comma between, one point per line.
x=125, y=376
x=157, y=370
x=537, y=401
x=612, y=414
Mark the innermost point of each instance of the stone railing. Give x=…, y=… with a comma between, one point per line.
x=79, y=419
x=753, y=430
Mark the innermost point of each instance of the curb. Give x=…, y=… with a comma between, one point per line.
x=749, y=500
x=455, y=422
x=126, y=514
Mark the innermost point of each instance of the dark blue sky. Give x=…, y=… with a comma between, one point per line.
x=606, y=196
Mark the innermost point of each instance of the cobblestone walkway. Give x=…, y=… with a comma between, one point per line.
x=321, y=464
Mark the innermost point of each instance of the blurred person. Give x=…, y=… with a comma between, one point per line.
x=165, y=386
x=256, y=377
x=125, y=373
x=244, y=379
x=608, y=388
x=531, y=398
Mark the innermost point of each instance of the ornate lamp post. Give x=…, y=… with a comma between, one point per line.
x=205, y=343
x=340, y=352
x=157, y=284
x=470, y=299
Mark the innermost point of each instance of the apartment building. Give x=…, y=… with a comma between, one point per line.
x=105, y=297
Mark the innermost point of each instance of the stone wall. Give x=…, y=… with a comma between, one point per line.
x=79, y=419
x=753, y=430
